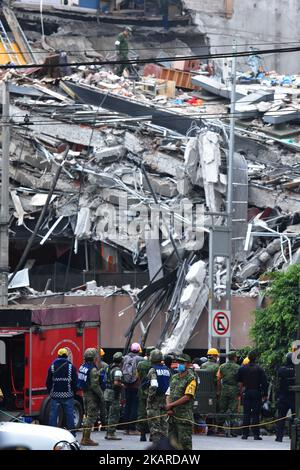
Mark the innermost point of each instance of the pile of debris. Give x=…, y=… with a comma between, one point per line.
x=121, y=173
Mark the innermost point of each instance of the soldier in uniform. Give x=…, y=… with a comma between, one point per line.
x=143, y=368
x=88, y=381
x=159, y=381
x=112, y=395
x=122, y=49
x=180, y=400
x=228, y=387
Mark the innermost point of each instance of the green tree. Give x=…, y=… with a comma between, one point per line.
x=275, y=326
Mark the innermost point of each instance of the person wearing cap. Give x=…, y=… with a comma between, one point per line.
x=164, y=9
x=180, y=401
x=143, y=368
x=61, y=384
x=254, y=389
x=88, y=381
x=285, y=396
x=212, y=361
x=112, y=395
x=131, y=387
x=228, y=389
x=122, y=49
x=159, y=381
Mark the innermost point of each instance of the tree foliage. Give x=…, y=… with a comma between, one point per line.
x=275, y=327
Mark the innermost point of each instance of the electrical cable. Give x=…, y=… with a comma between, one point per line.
x=159, y=60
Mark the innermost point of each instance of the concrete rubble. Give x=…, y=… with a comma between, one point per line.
x=122, y=173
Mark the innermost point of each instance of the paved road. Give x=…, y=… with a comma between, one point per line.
x=200, y=442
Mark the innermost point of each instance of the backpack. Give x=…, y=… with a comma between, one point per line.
x=129, y=369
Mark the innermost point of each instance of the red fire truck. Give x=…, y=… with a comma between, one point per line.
x=30, y=337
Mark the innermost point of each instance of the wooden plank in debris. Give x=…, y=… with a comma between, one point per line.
x=292, y=184
x=19, y=35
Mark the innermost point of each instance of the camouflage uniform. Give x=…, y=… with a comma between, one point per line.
x=92, y=399
x=180, y=432
x=156, y=402
x=112, y=396
x=229, y=393
x=143, y=368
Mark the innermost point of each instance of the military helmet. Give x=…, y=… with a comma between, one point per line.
x=231, y=354
x=90, y=353
x=117, y=357
x=156, y=355
x=129, y=29
x=184, y=358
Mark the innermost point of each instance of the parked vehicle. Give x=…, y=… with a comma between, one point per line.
x=22, y=436
x=30, y=338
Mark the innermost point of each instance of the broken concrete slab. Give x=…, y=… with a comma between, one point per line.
x=133, y=143
x=162, y=163
x=109, y=154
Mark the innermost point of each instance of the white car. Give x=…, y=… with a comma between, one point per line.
x=15, y=436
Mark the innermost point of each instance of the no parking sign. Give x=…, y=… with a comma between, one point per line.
x=221, y=322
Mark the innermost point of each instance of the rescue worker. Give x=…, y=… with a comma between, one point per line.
x=180, y=401
x=159, y=382
x=112, y=395
x=164, y=9
x=88, y=381
x=228, y=388
x=212, y=365
x=61, y=384
x=245, y=361
x=212, y=362
x=122, y=49
x=254, y=388
x=101, y=364
x=143, y=368
x=131, y=384
x=286, y=397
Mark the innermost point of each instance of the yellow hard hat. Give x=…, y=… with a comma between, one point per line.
x=246, y=361
x=101, y=352
x=62, y=352
x=213, y=352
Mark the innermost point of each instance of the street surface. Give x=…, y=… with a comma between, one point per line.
x=200, y=442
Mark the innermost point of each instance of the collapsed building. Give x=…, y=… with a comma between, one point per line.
x=117, y=180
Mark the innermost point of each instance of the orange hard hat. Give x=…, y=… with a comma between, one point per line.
x=101, y=352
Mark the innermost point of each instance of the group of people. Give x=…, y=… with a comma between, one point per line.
x=159, y=392
x=247, y=384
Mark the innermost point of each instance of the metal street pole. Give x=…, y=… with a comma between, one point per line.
x=230, y=183
x=4, y=211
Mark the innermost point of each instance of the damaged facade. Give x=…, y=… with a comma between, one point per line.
x=135, y=169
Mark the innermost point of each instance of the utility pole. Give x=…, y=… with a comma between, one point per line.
x=4, y=211
x=220, y=238
x=230, y=184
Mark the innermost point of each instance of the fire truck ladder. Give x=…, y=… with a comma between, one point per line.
x=7, y=45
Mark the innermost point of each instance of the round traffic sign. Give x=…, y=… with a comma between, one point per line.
x=221, y=323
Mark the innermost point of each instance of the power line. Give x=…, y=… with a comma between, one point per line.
x=162, y=47
x=161, y=59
